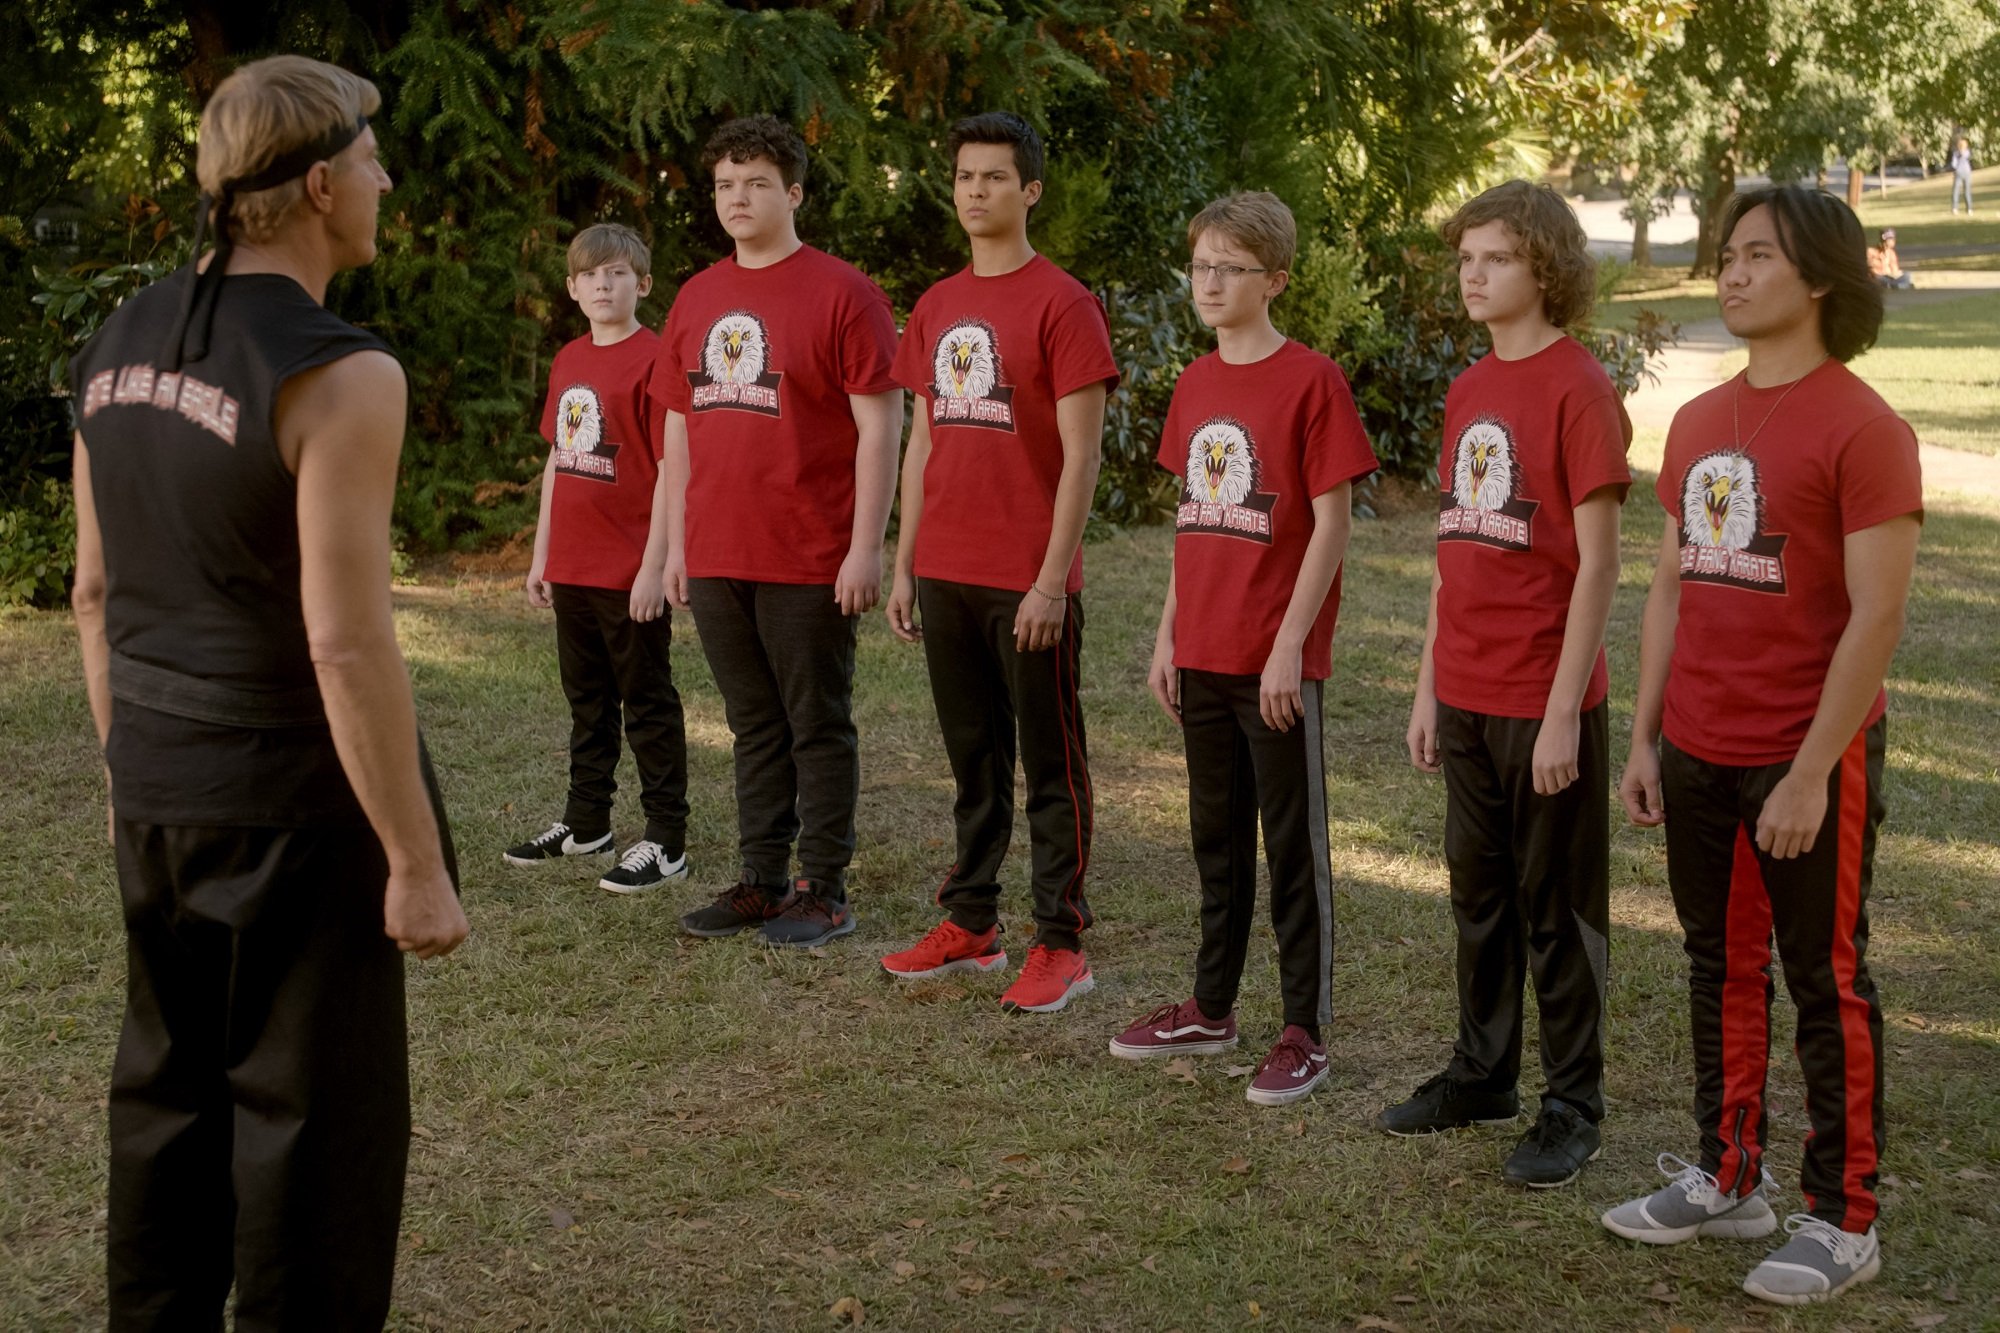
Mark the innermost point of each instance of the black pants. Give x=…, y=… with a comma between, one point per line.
x=984, y=691
x=783, y=657
x=260, y=1097
x=1239, y=768
x=1731, y=897
x=618, y=676
x=1530, y=894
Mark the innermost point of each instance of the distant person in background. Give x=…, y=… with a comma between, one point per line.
x=1961, y=175
x=1884, y=265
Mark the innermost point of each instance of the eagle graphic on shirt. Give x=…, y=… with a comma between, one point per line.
x=581, y=449
x=735, y=371
x=1722, y=525
x=966, y=385
x=1219, y=492
x=1483, y=503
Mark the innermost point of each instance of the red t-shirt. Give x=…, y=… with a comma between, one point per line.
x=761, y=362
x=607, y=448
x=990, y=357
x=1524, y=443
x=1763, y=594
x=1252, y=445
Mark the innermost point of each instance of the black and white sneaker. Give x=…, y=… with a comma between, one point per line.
x=554, y=842
x=645, y=865
x=1552, y=1153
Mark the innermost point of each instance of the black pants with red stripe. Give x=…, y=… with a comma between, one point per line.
x=986, y=692
x=1731, y=898
x=1239, y=768
x=1531, y=896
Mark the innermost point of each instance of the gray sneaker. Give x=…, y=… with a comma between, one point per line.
x=1691, y=1204
x=1819, y=1262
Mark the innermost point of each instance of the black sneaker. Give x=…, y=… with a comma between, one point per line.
x=810, y=916
x=645, y=865
x=740, y=906
x=1555, y=1149
x=1445, y=1103
x=556, y=841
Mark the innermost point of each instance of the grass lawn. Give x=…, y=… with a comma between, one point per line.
x=623, y=1129
x=1938, y=363
x=1921, y=214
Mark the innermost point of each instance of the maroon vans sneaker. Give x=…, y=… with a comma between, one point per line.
x=1293, y=1069
x=1050, y=979
x=1176, y=1029
x=949, y=947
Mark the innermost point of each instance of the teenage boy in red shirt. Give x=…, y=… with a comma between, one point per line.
x=597, y=519
x=1012, y=358
x=781, y=432
x=1794, y=504
x=1510, y=700
x=1265, y=438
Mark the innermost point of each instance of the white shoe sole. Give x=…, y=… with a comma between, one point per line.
x=983, y=963
x=678, y=872
x=1124, y=1052
x=514, y=860
x=1081, y=986
x=1720, y=1228
x=1259, y=1097
x=1865, y=1273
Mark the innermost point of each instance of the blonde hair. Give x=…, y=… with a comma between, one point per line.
x=264, y=110
x=1256, y=220
x=607, y=242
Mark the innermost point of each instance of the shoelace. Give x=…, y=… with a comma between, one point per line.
x=804, y=903
x=1301, y=1050
x=553, y=834
x=1041, y=964
x=746, y=899
x=1699, y=1186
x=1847, y=1247
x=641, y=853
x=1550, y=1127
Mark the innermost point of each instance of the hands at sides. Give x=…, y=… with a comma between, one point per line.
x=858, y=587
x=1639, y=788
x=1163, y=677
x=902, y=610
x=1422, y=736
x=1554, y=763
x=1278, y=696
x=537, y=588
x=1792, y=816
x=649, y=594
x=422, y=914
x=1038, y=621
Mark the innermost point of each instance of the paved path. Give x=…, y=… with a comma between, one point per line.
x=1695, y=364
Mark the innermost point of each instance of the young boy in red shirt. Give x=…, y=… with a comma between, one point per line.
x=597, y=519
x=1012, y=358
x=1265, y=438
x=1510, y=699
x=781, y=432
x=1794, y=502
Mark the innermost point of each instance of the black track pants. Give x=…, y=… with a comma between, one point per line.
x=1731, y=898
x=1238, y=770
x=260, y=1097
x=783, y=657
x=985, y=693
x=618, y=676
x=1530, y=894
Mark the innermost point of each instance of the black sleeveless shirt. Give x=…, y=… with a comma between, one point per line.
x=216, y=716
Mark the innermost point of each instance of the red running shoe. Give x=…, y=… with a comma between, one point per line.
x=1176, y=1029
x=1293, y=1069
x=949, y=947
x=1048, y=981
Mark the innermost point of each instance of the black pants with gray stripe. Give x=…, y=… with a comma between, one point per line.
x=1530, y=891
x=1238, y=769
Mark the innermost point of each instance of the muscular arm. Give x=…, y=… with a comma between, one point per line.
x=1278, y=697
x=1554, y=762
x=1080, y=422
x=1879, y=562
x=903, y=593
x=340, y=428
x=86, y=600
x=878, y=424
x=1639, y=788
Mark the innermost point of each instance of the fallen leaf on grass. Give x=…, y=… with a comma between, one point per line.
x=914, y=1222
x=561, y=1219
x=1950, y=1294
x=1238, y=1071
x=964, y=1182
x=1404, y=1300
x=1928, y=1320
x=965, y=1247
x=1297, y=1128
x=1237, y=1166
x=1182, y=1068
x=1973, y=1173
x=421, y=1132
x=1524, y=1224
x=1406, y=941
x=1256, y=1310
x=816, y=952
x=848, y=1308
x=1071, y=1211
x=1377, y=1321
x=416, y=1241
x=1662, y=1293
x=784, y=1194
x=1151, y=1263
x=972, y=1286
x=1012, y=1309
x=1679, y=1328
x=1017, y=1157
x=904, y=1268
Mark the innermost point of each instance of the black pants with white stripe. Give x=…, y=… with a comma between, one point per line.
x=1530, y=892
x=988, y=695
x=1239, y=769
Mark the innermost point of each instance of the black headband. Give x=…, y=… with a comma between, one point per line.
x=292, y=165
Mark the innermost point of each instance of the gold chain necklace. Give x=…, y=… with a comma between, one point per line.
x=1736, y=405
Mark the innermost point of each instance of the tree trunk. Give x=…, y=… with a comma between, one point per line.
x=1714, y=203
x=1855, y=180
x=1642, y=245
